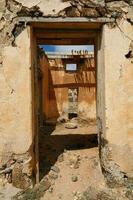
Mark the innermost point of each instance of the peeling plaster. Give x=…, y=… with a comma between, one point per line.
x=10, y=29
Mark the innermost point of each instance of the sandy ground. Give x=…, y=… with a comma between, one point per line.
x=7, y=191
x=71, y=157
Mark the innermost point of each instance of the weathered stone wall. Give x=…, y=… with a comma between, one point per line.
x=114, y=117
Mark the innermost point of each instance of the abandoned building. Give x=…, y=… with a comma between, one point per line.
x=67, y=91
x=57, y=105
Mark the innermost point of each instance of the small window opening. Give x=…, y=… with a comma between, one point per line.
x=71, y=67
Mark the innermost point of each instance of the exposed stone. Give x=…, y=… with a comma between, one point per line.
x=2, y=5
x=74, y=120
x=9, y=178
x=62, y=119
x=117, y=6
x=27, y=167
x=130, y=52
x=13, y=6
x=60, y=196
x=129, y=193
x=70, y=125
x=89, y=3
x=55, y=169
x=53, y=175
x=130, y=2
x=2, y=23
x=34, y=194
x=32, y=12
x=99, y=2
x=95, y=162
x=74, y=178
x=72, y=12
x=50, y=189
x=106, y=1
x=18, y=29
x=110, y=169
x=74, y=161
x=61, y=158
x=130, y=14
x=102, y=11
x=131, y=46
x=89, y=12
x=7, y=170
x=19, y=179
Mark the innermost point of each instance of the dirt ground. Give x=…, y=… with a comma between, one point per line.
x=69, y=160
x=7, y=191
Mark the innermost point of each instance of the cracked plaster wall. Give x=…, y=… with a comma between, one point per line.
x=115, y=116
x=119, y=95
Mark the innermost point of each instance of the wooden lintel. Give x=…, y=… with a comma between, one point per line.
x=74, y=41
x=61, y=30
x=64, y=35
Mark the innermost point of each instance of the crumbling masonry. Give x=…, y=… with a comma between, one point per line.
x=114, y=82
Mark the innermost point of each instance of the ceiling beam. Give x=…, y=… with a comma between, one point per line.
x=64, y=35
x=74, y=41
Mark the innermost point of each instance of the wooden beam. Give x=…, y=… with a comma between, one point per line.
x=61, y=30
x=64, y=35
x=89, y=69
x=74, y=41
x=67, y=25
x=73, y=85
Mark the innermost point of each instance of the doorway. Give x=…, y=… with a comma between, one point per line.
x=72, y=102
x=67, y=134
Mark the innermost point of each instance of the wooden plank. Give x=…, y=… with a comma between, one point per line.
x=64, y=35
x=73, y=85
x=74, y=41
x=61, y=30
x=89, y=69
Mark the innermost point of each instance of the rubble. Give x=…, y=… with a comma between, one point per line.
x=34, y=194
x=55, y=169
x=74, y=161
x=94, y=9
x=18, y=171
x=74, y=178
x=19, y=179
x=53, y=175
x=105, y=193
x=61, y=158
x=62, y=119
x=71, y=125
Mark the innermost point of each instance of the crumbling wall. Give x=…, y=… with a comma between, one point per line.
x=117, y=150
x=15, y=116
x=115, y=131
